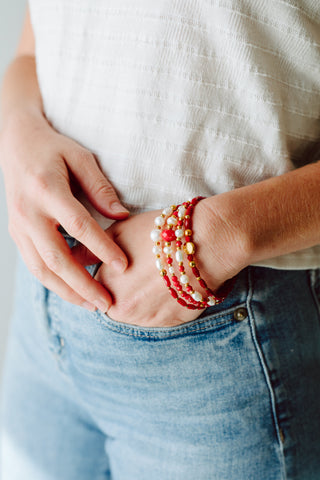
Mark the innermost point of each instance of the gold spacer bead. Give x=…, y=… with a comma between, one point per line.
x=163, y=273
x=173, y=207
x=198, y=278
x=192, y=264
x=188, y=232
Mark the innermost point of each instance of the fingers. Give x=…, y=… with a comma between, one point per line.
x=94, y=183
x=51, y=281
x=61, y=268
x=77, y=221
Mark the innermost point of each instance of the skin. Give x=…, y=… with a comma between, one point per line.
x=42, y=169
x=231, y=231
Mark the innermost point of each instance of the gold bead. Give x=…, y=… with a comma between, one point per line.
x=189, y=248
x=192, y=264
x=188, y=232
x=163, y=273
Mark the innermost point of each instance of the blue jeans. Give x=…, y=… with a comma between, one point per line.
x=232, y=395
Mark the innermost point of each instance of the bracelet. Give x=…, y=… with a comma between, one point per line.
x=174, y=226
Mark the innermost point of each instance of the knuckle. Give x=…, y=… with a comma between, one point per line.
x=78, y=225
x=38, y=271
x=84, y=157
x=103, y=188
x=53, y=260
x=40, y=183
x=19, y=208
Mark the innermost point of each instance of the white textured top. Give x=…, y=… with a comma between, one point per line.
x=178, y=98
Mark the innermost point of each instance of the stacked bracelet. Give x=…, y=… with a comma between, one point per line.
x=174, y=227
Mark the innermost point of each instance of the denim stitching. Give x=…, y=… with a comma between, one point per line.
x=180, y=330
x=265, y=370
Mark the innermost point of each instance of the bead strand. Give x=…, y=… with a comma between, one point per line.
x=175, y=224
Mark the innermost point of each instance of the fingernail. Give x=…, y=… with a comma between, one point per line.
x=102, y=305
x=89, y=306
x=116, y=207
x=118, y=265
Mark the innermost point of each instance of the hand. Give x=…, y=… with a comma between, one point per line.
x=42, y=169
x=139, y=294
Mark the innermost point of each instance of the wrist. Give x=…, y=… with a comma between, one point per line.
x=223, y=246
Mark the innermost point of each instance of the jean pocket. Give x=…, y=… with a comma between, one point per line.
x=212, y=318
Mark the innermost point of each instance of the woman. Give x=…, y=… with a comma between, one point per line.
x=154, y=103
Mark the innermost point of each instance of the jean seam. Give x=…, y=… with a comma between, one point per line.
x=149, y=335
x=313, y=276
x=265, y=370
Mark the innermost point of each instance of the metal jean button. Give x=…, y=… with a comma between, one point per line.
x=240, y=314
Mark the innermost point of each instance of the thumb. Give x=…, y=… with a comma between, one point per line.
x=94, y=184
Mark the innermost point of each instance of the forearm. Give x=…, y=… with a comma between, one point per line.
x=273, y=217
x=20, y=89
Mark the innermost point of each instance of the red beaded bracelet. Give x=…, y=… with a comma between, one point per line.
x=173, y=224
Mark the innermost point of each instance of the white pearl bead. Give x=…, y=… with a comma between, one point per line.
x=181, y=212
x=155, y=235
x=211, y=301
x=167, y=211
x=179, y=233
x=167, y=250
x=156, y=250
x=197, y=296
x=179, y=256
x=171, y=270
x=172, y=221
x=159, y=221
x=184, y=279
x=159, y=264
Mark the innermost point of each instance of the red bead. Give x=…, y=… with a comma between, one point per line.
x=181, y=268
x=189, y=288
x=188, y=223
x=169, y=261
x=168, y=235
x=182, y=302
x=203, y=283
x=188, y=239
x=167, y=280
x=195, y=271
x=190, y=258
x=178, y=243
x=180, y=222
x=179, y=288
x=192, y=307
x=174, y=278
x=173, y=293
x=189, y=210
x=185, y=295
